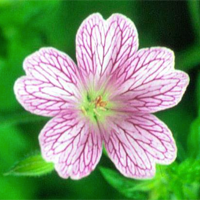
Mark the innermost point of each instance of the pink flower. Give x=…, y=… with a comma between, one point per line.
x=107, y=98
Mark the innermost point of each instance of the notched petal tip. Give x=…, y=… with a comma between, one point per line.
x=123, y=20
x=104, y=47
x=94, y=15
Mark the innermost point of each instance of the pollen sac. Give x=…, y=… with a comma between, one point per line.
x=99, y=103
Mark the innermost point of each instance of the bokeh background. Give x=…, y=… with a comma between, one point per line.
x=26, y=26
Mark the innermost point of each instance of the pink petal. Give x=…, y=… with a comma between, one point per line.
x=104, y=46
x=51, y=83
x=151, y=84
x=137, y=143
x=72, y=145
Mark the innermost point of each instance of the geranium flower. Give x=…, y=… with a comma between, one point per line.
x=106, y=99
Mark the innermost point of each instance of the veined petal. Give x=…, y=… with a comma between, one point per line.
x=136, y=143
x=72, y=145
x=51, y=84
x=105, y=46
x=151, y=84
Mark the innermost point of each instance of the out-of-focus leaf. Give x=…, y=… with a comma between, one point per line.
x=127, y=187
x=189, y=171
x=31, y=166
x=14, y=188
x=197, y=90
x=194, y=139
x=194, y=9
x=5, y=2
x=189, y=58
x=10, y=119
x=161, y=21
x=168, y=183
x=12, y=145
x=20, y=35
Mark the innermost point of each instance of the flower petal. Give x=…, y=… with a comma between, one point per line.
x=72, y=145
x=137, y=143
x=104, y=46
x=151, y=84
x=51, y=83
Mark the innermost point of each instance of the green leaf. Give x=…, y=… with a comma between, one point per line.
x=167, y=184
x=128, y=187
x=31, y=166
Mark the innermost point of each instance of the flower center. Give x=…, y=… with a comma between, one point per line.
x=96, y=107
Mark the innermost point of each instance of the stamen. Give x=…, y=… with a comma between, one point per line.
x=83, y=110
x=102, y=108
x=96, y=112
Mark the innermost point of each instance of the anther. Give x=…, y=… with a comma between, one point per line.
x=99, y=103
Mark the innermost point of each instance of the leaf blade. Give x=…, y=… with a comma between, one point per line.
x=31, y=166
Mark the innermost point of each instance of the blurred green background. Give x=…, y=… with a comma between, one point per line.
x=26, y=26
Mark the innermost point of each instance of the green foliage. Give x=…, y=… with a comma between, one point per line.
x=26, y=26
x=194, y=9
x=177, y=181
x=127, y=187
x=31, y=166
x=22, y=31
x=194, y=139
x=193, y=142
x=7, y=120
x=197, y=92
x=13, y=145
x=188, y=58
